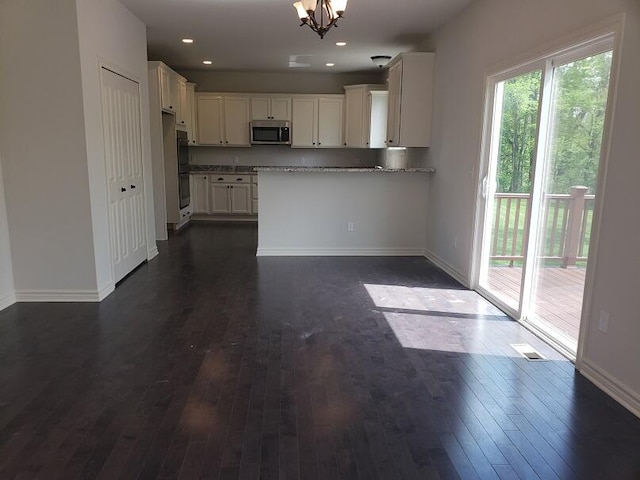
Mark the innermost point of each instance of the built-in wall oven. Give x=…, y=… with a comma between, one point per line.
x=183, y=169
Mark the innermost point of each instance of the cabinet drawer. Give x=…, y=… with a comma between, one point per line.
x=227, y=178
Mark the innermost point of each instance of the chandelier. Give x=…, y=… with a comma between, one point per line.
x=320, y=15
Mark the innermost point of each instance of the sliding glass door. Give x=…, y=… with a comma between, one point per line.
x=542, y=149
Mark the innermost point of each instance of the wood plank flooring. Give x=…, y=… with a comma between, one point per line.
x=210, y=363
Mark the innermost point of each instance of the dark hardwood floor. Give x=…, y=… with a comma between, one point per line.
x=211, y=363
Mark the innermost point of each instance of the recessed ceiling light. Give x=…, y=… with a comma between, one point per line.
x=207, y=62
x=331, y=64
x=187, y=40
x=341, y=44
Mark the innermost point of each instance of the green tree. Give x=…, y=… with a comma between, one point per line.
x=518, y=132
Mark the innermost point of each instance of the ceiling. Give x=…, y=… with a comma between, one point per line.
x=264, y=35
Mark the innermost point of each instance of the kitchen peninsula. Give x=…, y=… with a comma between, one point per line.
x=342, y=211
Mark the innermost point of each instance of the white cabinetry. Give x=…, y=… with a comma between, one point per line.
x=200, y=193
x=317, y=121
x=410, y=100
x=270, y=107
x=222, y=120
x=169, y=89
x=365, y=116
x=191, y=112
x=230, y=194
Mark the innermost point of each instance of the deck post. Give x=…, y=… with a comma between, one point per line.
x=574, y=224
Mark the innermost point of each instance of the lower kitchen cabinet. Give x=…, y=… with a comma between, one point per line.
x=230, y=194
x=200, y=193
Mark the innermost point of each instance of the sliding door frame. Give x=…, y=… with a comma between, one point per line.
x=591, y=42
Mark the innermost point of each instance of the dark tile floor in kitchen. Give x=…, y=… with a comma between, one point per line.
x=209, y=363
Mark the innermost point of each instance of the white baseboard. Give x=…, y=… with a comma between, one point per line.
x=7, y=300
x=62, y=295
x=152, y=253
x=437, y=261
x=616, y=389
x=339, y=252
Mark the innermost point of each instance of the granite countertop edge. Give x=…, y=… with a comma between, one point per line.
x=280, y=169
x=344, y=169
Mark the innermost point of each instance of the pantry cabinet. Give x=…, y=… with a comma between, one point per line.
x=410, y=100
x=317, y=122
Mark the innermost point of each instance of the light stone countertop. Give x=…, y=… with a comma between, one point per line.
x=344, y=169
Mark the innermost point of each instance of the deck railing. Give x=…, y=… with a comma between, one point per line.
x=568, y=225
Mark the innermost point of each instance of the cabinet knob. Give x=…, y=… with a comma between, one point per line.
x=230, y=186
x=319, y=143
x=133, y=187
x=238, y=179
x=220, y=179
x=314, y=143
x=182, y=122
x=227, y=141
x=390, y=141
x=170, y=107
x=220, y=141
x=205, y=177
x=122, y=189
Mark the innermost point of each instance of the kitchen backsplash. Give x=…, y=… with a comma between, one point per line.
x=273, y=155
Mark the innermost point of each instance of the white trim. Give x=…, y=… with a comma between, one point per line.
x=153, y=252
x=443, y=265
x=62, y=295
x=8, y=300
x=613, y=387
x=106, y=291
x=339, y=252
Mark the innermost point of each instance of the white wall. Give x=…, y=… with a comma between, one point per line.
x=111, y=35
x=493, y=33
x=7, y=293
x=43, y=155
x=308, y=213
x=272, y=82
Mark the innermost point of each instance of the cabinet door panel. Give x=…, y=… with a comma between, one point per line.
x=303, y=123
x=354, y=134
x=236, y=121
x=260, y=108
x=210, y=120
x=281, y=108
x=330, y=119
x=219, y=198
x=200, y=193
x=240, y=198
x=395, y=93
x=184, y=111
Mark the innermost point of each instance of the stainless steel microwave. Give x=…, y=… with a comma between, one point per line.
x=270, y=132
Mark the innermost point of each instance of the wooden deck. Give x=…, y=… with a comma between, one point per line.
x=558, y=299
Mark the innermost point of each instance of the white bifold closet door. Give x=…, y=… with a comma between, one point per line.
x=123, y=158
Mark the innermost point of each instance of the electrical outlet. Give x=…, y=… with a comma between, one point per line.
x=350, y=227
x=603, y=325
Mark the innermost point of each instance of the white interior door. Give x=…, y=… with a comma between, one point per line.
x=123, y=158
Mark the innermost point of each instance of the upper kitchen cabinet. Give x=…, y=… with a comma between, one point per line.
x=169, y=88
x=270, y=107
x=223, y=120
x=365, y=116
x=410, y=100
x=317, y=121
x=190, y=113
